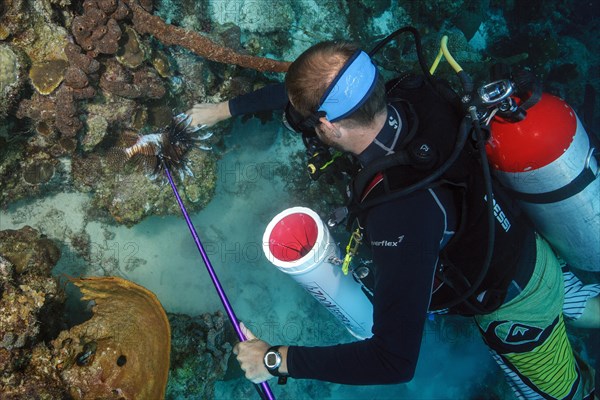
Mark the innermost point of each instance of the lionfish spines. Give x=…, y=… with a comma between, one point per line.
x=154, y=151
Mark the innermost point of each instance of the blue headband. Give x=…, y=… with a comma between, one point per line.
x=350, y=88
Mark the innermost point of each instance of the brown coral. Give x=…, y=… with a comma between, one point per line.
x=68, y=144
x=108, y=6
x=66, y=120
x=95, y=31
x=56, y=112
x=13, y=18
x=38, y=173
x=121, y=12
x=173, y=35
x=38, y=108
x=149, y=82
x=44, y=129
x=29, y=251
x=123, y=350
x=147, y=5
x=161, y=63
x=77, y=75
x=132, y=52
x=109, y=42
x=76, y=78
x=47, y=76
x=142, y=84
x=85, y=93
x=82, y=61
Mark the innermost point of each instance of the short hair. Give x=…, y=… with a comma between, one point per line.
x=312, y=72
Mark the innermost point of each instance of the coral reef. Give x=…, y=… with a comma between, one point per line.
x=200, y=349
x=94, y=74
x=13, y=18
x=77, y=59
x=97, y=30
x=46, y=76
x=132, y=52
x=66, y=120
x=41, y=36
x=143, y=83
x=53, y=103
x=172, y=35
x=31, y=304
x=12, y=66
x=134, y=197
x=113, y=75
x=123, y=350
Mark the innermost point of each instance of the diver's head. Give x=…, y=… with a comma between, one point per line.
x=336, y=80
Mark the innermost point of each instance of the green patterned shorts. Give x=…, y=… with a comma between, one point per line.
x=528, y=339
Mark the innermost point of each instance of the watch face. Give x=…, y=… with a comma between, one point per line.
x=271, y=359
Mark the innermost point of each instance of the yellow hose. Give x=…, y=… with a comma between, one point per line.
x=444, y=51
x=436, y=62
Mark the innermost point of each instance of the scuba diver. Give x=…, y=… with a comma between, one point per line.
x=426, y=242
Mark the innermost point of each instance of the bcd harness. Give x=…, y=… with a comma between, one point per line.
x=433, y=134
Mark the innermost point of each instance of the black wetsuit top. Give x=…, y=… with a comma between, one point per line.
x=406, y=236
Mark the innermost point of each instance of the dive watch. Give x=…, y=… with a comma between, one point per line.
x=272, y=361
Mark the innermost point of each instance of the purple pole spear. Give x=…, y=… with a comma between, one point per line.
x=266, y=390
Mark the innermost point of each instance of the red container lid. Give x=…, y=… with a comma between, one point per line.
x=293, y=237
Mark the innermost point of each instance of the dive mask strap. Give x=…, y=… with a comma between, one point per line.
x=348, y=91
x=350, y=88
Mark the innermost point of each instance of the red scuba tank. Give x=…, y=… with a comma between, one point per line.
x=548, y=162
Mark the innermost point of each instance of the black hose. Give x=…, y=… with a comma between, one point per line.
x=418, y=46
x=481, y=139
x=461, y=139
x=467, y=85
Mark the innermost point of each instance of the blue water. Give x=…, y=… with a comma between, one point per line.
x=160, y=254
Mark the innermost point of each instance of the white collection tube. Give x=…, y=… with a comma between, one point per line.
x=298, y=243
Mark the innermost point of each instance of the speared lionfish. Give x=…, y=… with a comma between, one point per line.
x=169, y=146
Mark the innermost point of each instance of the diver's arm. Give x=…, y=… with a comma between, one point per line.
x=209, y=113
x=250, y=354
x=402, y=294
x=270, y=97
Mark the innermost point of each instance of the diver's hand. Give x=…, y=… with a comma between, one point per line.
x=250, y=354
x=208, y=114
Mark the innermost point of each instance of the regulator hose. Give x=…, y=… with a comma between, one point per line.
x=487, y=177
